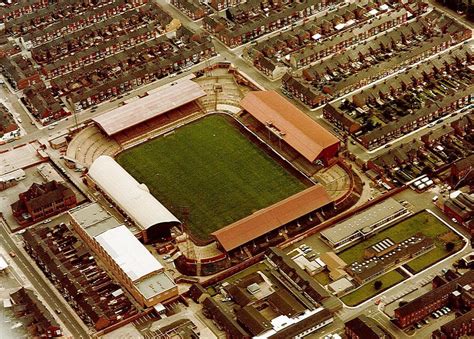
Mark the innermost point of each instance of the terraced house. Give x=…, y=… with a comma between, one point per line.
x=276, y=52
x=408, y=101
x=252, y=19
x=369, y=61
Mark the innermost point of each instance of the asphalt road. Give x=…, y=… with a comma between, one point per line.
x=418, y=202
x=41, y=285
x=234, y=56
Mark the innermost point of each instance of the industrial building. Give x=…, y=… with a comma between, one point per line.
x=129, y=260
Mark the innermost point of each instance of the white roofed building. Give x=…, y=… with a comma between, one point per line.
x=124, y=255
x=132, y=199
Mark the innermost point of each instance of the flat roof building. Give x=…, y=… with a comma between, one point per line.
x=132, y=198
x=291, y=125
x=363, y=224
x=93, y=219
x=128, y=259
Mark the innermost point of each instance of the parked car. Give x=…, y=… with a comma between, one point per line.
x=12, y=254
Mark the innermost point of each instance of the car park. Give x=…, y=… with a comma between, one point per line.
x=445, y=310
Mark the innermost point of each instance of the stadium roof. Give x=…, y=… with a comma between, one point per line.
x=156, y=103
x=272, y=217
x=288, y=122
x=132, y=257
x=132, y=197
x=366, y=218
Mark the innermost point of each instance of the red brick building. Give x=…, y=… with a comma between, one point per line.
x=41, y=201
x=363, y=327
x=421, y=307
x=461, y=326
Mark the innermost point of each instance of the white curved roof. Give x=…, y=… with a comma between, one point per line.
x=128, y=194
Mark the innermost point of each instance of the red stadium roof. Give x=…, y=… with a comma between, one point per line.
x=156, y=103
x=294, y=127
x=272, y=217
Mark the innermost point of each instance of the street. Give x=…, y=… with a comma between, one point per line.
x=34, y=131
x=42, y=285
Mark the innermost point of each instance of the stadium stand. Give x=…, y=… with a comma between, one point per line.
x=292, y=126
x=89, y=144
x=270, y=219
x=158, y=102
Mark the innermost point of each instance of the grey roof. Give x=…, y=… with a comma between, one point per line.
x=93, y=219
x=366, y=218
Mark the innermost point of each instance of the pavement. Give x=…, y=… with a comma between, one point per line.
x=418, y=281
x=33, y=132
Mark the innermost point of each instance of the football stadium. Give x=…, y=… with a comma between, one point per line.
x=223, y=176
x=244, y=159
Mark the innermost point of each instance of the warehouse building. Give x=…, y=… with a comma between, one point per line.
x=129, y=260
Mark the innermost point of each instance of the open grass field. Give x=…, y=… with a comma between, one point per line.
x=424, y=223
x=213, y=171
x=367, y=291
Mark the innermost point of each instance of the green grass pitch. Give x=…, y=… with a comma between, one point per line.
x=214, y=171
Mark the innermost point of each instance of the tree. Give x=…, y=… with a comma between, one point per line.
x=378, y=284
x=449, y=246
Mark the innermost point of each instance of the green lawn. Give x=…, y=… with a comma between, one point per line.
x=322, y=278
x=427, y=259
x=367, y=291
x=212, y=170
x=423, y=222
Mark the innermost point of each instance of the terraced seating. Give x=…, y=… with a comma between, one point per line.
x=336, y=181
x=89, y=144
